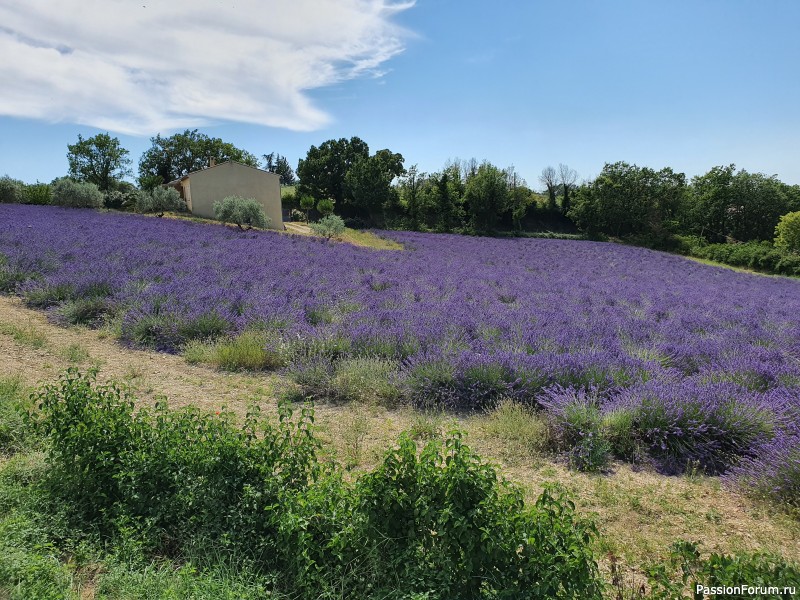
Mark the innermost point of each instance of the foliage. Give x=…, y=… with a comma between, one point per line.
x=761, y=256
x=15, y=434
x=241, y=211
x=787, y=232
x=368, y=183
x=325, y=207
x=628, y=200
x=485, y=196
x=738, y=572
x=322, y=173
x=100, y=160
x=37, y=193
x=123, y=196
x=75, y=194
x=12, y=191
x=177, y=155
x=331, y=226
x=160, y=200
x=742, y=206
x=417, y=524
x=306, y=204
x=275, y=163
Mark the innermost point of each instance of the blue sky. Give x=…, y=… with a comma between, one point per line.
x=685, y=84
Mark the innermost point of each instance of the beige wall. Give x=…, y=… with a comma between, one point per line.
x=233, y=179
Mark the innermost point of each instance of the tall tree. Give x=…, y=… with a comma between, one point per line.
x=100, y=160
x=743, y=206
x=519, y=197
x=410, y=191
x=368, y=183
x=322, y=173
x=630, y=200
x=177, y=155
x=549, y=179
x=486, y=195
x=275, y=163
x=566, y=178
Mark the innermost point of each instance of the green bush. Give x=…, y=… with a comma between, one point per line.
x=720, y=570
x=330, y=227
x=125, y=196
x=37, y=193
x=76, y=194
x=787, y=232
x=435, y=524
x=160, y=200
x=241, y=212
x=12, y=191
x=15, y=433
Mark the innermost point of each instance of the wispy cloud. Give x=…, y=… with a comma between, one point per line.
x=144, y=66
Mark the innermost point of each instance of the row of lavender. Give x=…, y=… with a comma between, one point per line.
x=703, y=364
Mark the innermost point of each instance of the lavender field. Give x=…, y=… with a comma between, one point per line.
x=653, y=355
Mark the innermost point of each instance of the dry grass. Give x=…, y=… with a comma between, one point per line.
x=639, y=512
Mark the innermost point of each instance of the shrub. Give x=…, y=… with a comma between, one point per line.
x=523, y=431
x=249, y=351
x=440, y=523
x=367, y=380
x=37, y=193
x=160, y=200
x=426, y=523
x=76, y=194
x=124, y=197
x=787, y=232
x=740, y=570
x=241, y=211
x=12, y=191
x=15, y=434
x=330, y=227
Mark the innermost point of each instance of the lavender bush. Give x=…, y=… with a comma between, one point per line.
x=694, y=356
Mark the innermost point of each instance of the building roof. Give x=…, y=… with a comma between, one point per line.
x=175, y=181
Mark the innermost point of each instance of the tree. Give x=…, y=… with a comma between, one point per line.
x=100, y=160
x=241, y=211
x=743, y=206
x=519, y=197
x=275, y=163
x=486, y=195
x=12, y=191
x=177, y=155
x=629, y=200
x=160, y=200
x=368, y=183
x=549, y=179
x=322, y=173
x=325, y=207
x=787, y=232
x=306, y=204
x=410, y=187
x=566, y=178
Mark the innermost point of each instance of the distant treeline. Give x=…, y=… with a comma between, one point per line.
x=659, y=209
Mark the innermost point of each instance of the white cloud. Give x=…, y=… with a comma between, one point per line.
x=145, y=66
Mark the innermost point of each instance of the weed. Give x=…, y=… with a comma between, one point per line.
x=28, y=335
x=75, y=353
x=523, y=432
